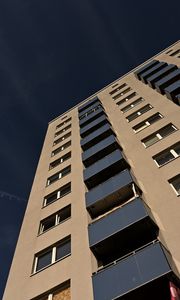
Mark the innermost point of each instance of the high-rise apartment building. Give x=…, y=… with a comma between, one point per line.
x=103, y=217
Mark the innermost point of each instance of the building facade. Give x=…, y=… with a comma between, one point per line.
x=103, y=217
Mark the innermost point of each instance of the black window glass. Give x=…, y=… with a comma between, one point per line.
x=44, y=260
x=63, y=249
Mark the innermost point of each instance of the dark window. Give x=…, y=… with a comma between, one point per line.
x=55, y=219
x=63, y=249
x=66, y=145
x=146, y=123
x=167, y=155
x=63, y=123
x=62, y=130
x=60, y=160
x=62, y=138
x=59, y=175
x=44, y=260
x=138, y=113
x=158, y=135
x=64, y=190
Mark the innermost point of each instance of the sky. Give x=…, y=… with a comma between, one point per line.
x=54, y=54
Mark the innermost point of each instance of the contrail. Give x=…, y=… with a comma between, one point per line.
x=11, y=197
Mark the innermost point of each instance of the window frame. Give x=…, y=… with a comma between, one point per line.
x=57, y=217
x=171, y=184
x=158, y=135
x=60, y=160
x=146, y=121
x=58, y=193
x=53, y=250
x=60, y=174
x=167, y=150
x=63, y=123
x=62, y=138
x=61, y=148
x=132, y=105
x=138, y=113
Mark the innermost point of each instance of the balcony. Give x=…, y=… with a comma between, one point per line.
x=159, y=75
x=147, y=73
x=148, y=269
x=104, y=168
x=90, y=127
x=87, y=104
x=172, y=91
x=99, y=150
x=96, y=136
x=89, y=108
x=119, y=227
x=110, y=193
x=91, y=117
x=145, y=68
x=167, y=80
x=177, y=99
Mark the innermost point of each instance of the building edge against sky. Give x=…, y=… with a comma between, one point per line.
x=103, y=217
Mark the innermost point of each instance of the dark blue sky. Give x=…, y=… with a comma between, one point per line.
x=53, y=54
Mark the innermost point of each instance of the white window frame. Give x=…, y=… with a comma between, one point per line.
x=139, y=113
x=168, y=150
x=171, y=184
x=53, y=256
x=158, y=135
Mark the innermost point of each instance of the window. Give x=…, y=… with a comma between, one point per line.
x=87, y=104
x=169, y=51
x=60, y=160
x=133, y=104
x=63, y=147
x=127, y=98
x=167, y=155
x=62, y=130
x=118, y=88
x=62, y=138
x=175, y=184
x=122, y=93
x=58, y=175
x=90, y=112
x=60, y=292
x=139, y=112
x=113, y=86
x=175, y=53
x=63, y=191
x=146, y=123
x=63, y=123
x=55, y=219
x=159, y=135
x=52, y=254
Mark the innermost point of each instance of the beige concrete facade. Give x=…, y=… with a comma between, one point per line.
x=78, y=267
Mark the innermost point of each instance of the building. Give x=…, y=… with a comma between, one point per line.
x=103, y=217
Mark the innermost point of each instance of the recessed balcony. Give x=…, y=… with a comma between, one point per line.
x=144, y=75
x=96, y=136
x=91, y=117
x=90, y=127
x=99, y=150
x=172, y=91
x=112, y=236
x=104, y=168
x=142, y=275
x=110, y=193
x=146, y=67
x=160, y=74
x=87, y=104
x=92, y=106
x=167, y=80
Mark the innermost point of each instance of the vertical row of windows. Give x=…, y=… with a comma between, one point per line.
x=170, y=153
x=62, y=248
